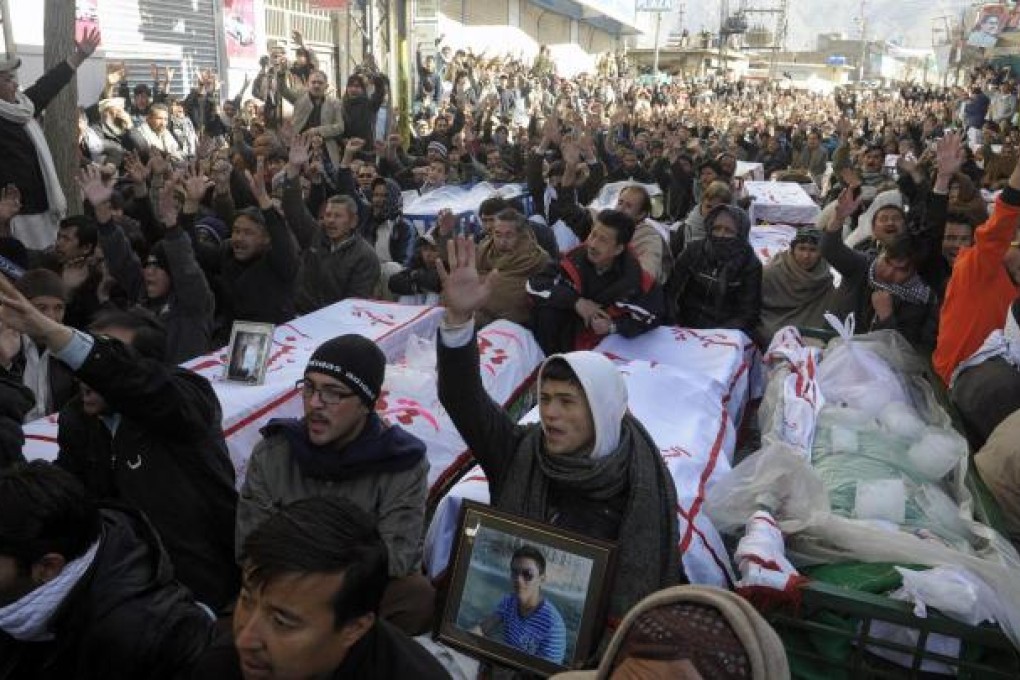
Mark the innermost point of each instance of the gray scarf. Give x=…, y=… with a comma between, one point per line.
x=647, y=558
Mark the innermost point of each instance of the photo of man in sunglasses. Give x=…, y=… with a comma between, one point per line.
x=524, y=619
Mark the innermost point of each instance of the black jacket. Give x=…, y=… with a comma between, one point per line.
x=384, y=653
x=167, y=458
x=702, y=295
x=15, y=401
x=261, y=289
x=918, y=323
x=126, y=618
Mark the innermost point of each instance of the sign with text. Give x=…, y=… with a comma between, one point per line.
x=655, y=5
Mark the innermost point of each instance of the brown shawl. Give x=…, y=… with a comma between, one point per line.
x=508, y=299
x=791, y=296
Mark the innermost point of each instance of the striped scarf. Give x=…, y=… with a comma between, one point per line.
x=914, y=291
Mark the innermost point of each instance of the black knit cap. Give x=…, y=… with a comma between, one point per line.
x=355, y=361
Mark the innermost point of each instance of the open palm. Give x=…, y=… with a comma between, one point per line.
x=464, y=290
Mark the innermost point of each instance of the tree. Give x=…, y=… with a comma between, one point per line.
x=61, y=124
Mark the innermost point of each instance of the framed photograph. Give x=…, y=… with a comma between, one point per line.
x=523, y=593
x=248, y=352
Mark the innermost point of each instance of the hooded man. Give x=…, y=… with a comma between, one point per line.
x=796, y=286
x=343, y=448
x=27, y=161
x=587, y=466
x=511, y=249
x=716, y=282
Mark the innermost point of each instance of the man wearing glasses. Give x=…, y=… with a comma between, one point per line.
x=342, y=448
x=529, y=622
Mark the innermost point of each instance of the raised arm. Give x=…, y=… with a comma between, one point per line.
x=834, y=250
x=486, y=428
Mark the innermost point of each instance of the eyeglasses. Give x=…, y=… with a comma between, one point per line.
x=152, y=262
x=366, y=175
x=526, y=575
x=330, y=395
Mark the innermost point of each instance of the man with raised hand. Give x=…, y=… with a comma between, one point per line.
x=587, y=466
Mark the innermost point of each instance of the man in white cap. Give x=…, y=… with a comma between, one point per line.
x=588, y=466
x=27, y=161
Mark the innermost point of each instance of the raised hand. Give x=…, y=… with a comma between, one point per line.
x=158, y=165
x=846, y=205
x=221, y=175
x=206, y=146
x=166, y=204
x=84, y=48
x=195, y=185
x=114, y=72
x=949, y=154
x=137, y=172
x=96, y=191
x=257, y=182
x=300, y=153
x=464, y=290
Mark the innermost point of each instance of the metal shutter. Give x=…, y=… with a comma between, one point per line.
x=454, y=10
x=596, y=41
x=180, y=34
x=543, y=26
x=488, y=13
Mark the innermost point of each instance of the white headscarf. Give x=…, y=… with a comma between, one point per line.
x=606, y=393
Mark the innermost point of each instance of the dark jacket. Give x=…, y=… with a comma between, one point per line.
x=328, y=273
x=360, y=112
x=167, y=458
x=627, y=293
x=383, y=653
x=15, y=401
x=704, y=295
x=918, y=323
x=261, y=289
x=20, y=165
x=63, y=386
x=187, y=312
x=126, y=618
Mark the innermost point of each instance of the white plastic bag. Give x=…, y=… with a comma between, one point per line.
x=854, y=377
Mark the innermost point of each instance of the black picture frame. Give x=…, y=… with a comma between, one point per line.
x=578, y=574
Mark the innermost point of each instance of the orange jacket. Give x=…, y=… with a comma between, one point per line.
x=979, y=291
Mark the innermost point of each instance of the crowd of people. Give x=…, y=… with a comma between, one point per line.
x=117, y=560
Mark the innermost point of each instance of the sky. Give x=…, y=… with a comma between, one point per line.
x=909, y=21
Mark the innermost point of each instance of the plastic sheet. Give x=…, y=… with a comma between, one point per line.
x=850, y=373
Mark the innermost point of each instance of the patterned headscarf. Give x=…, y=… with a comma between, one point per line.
x=915, y=290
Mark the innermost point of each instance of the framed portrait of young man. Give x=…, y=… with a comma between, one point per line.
x=248, y=352
x=525, y=594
